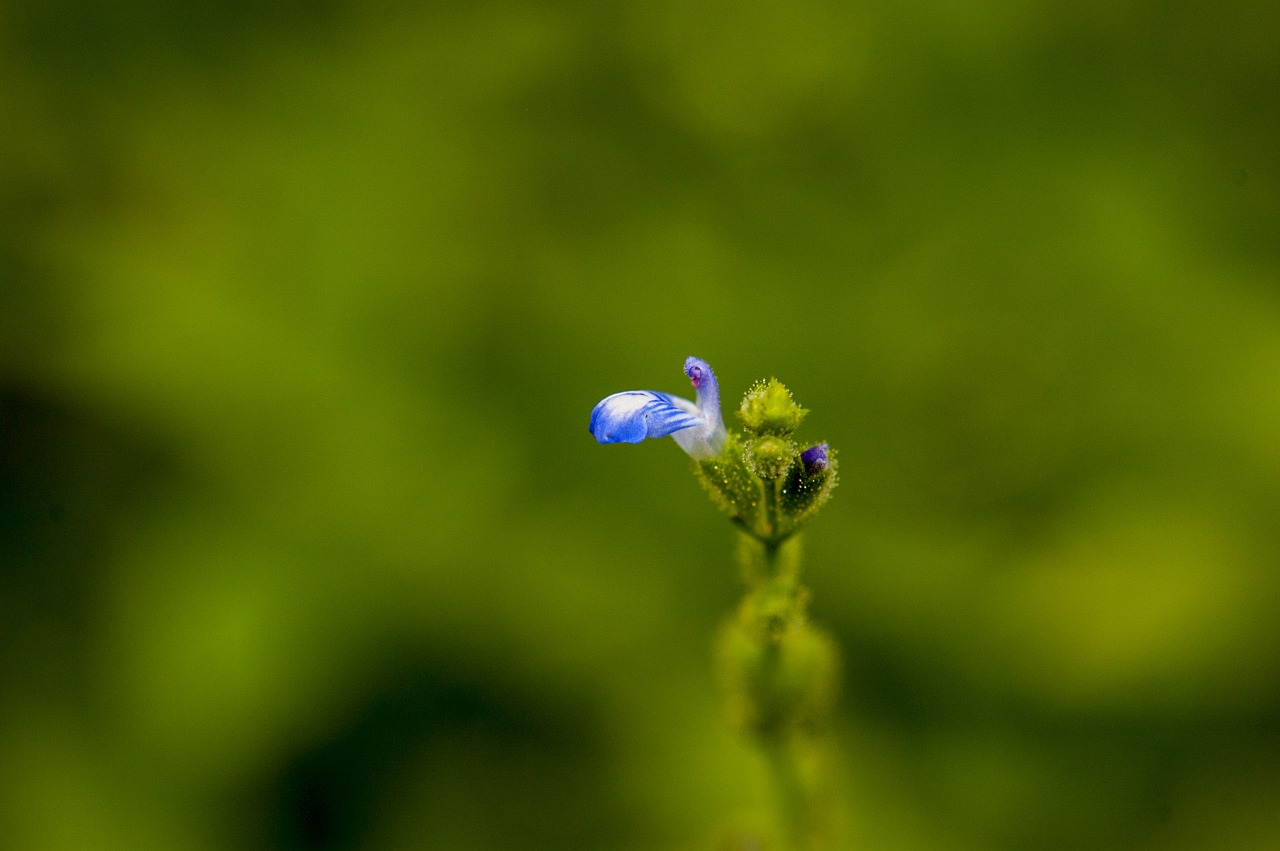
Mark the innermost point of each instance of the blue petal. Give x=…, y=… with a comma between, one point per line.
x=633, y=415
x=815, y=459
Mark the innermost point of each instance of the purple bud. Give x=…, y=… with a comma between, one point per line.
x=814, y=459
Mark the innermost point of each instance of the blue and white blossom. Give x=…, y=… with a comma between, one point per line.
x=633, y=415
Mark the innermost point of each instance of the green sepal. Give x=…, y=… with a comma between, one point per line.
x=730, y=482
x=769, y=409
x=801, y=495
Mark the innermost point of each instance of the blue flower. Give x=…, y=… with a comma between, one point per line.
x=633, y=415
x=815, y=459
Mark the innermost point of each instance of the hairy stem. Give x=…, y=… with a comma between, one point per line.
x=770, y=510
x=789, y=787
x=775, y=744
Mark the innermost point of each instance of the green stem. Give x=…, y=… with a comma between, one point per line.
x=789, y=787
x=776, y=744
x=771, y=549
x=770, y=509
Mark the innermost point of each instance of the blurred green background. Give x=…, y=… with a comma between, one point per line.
x=303, y=307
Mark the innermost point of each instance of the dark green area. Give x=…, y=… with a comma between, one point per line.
x=303, y=308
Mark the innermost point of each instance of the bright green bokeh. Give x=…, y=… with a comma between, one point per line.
x=304, y=543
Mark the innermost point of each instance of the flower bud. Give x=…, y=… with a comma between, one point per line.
x=778, y=681
x=769, y=409
x=815, y=459
x=809, y=483
x=770, y=457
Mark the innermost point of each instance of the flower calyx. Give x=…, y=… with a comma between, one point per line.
x=769, y=487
